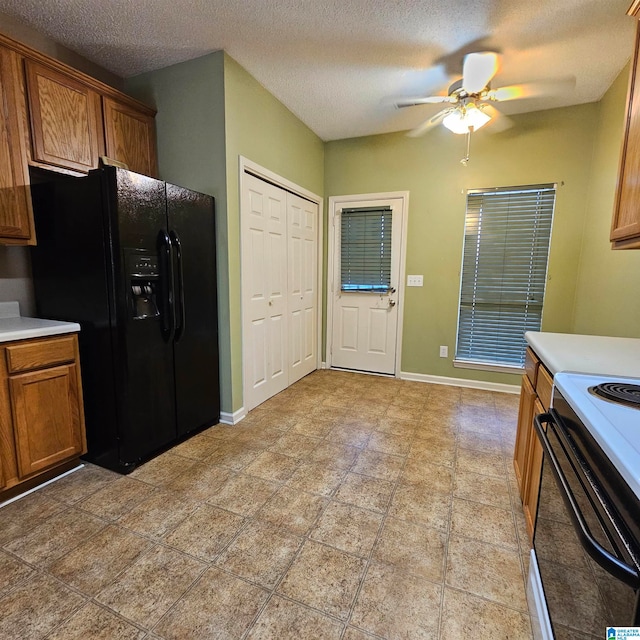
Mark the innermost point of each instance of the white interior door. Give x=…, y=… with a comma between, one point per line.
x=280, y=299
x=365, y=300
x=302, y=267
x=264, y=289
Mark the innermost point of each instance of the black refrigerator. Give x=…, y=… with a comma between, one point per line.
x=132, y=259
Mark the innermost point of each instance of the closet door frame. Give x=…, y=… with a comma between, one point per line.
x=248, y=166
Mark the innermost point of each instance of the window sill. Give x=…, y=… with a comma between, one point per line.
x=482, y=366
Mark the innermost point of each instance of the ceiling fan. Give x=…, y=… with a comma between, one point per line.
x=470, y=98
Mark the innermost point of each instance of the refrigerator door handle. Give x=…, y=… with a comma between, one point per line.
x=180, y=313
x=167, y=315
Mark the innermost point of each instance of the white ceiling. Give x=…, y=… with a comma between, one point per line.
x=339, y=64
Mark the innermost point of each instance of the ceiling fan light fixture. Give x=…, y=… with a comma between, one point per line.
x=465, y=119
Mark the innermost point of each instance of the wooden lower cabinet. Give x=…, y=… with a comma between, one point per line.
x=533, y=474
x=42, y=421
x=525, y=418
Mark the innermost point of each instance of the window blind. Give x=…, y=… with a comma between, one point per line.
x=365, y=249
x=504, y=270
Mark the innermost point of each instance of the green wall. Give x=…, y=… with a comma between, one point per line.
x=607, y=296
x=551, y=146
x=263, y=130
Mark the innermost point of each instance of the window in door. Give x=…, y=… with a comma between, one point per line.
x=365, y=249
x=504, y=271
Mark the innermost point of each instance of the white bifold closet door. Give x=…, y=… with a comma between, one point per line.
x=279, y=238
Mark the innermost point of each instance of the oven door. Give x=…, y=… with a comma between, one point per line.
x=583, y=551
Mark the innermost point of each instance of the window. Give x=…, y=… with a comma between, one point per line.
x=365, y=249
x=504, y=270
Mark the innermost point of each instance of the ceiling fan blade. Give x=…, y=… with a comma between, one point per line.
x=429, y=124
x=499, y=122
x=412, y=102
x=478, y=69
x=531, y=89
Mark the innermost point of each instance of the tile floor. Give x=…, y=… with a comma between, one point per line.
x=347, y=507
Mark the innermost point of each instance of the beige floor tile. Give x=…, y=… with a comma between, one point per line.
x=79, y=484
x=117, y=498
x=397, y=605
x=482, y=462
x=232, y=454
x=486, y=570
x=198, y=447
x=94, y=564
x=273, y=466
x=490, y=490
x=489, y=442
x=147, y=589
x=379, y=465
x=404, y=412
x=244, y=494
x=294, y=510
x=412, y=548
x=483, y=522
x=434, y=478
x=261, y=553
x=286, y=620
x=158, y=515
x=355, y=634
x=200, y=481
x=35, y=608
x=416, y=504
x=22, y=516
x=335, y=455
x=316, y=426
x=439, y=451
x=465, y=616
x=316, y=478
x=324, y=578
x=162, y=470
x=95, y=623
x=351, y=434
x=56, y=536
x=206, y=532
x=12, y=573
x=218, y=606
x=365, y=491
x=295, y=445
x=348, y=528
x=397, y=427
x=389, y=443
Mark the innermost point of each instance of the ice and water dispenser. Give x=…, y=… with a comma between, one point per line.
x=143, y=282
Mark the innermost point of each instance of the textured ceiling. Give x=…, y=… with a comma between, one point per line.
x=339, y=64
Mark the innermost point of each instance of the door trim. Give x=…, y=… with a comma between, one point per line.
x=337, y=202
x=245, y=165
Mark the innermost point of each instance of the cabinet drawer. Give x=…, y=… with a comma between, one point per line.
x=531, y=364
x=544, y=387
x=38, y=355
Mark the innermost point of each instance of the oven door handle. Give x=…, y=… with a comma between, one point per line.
x=604, y=558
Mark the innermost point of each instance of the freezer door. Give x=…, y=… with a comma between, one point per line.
x=192, y=231
x=143, y=291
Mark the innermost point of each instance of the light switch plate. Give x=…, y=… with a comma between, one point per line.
x=414, y=281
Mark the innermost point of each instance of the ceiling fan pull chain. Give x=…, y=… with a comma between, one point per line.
x=465, y=160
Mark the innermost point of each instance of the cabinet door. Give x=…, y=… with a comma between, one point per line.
x=533, y=473
x=66, y=118
x=625, y=229
x=47, y=417
x=16, y=217
x=130, y=137
x=523, y=434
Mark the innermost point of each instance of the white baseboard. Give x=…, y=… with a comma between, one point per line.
x=232, y=418
x=461, y=382
x=323, y=365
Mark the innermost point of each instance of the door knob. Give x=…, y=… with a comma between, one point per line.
x=270, y=302
x=392, y=303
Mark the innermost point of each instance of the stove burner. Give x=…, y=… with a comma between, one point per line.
x=620, y=392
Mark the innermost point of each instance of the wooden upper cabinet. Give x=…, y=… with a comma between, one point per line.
x=130, y=136
x=16, y=217
x=65, y=118
x=625, y=229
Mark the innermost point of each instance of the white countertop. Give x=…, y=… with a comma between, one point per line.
x=13, y=326
x=587, y=354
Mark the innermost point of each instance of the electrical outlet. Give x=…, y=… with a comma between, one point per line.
x=414, y=281
x=444, y=351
